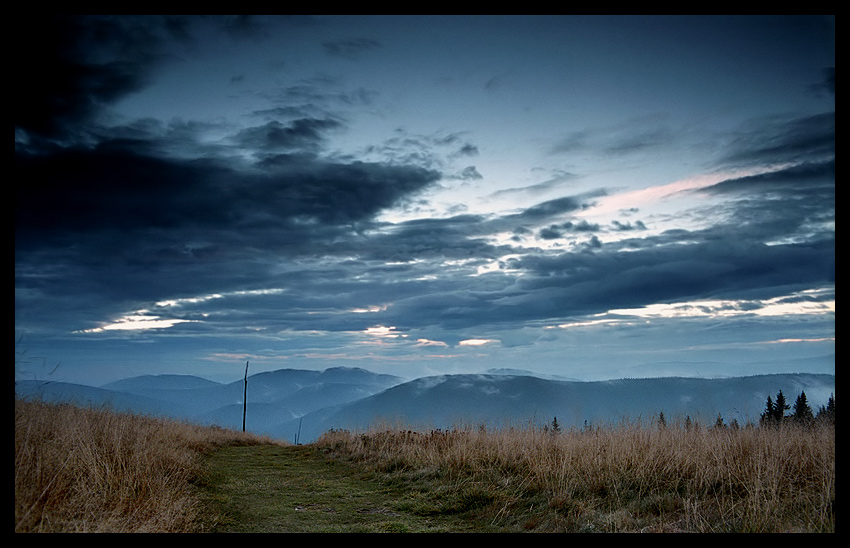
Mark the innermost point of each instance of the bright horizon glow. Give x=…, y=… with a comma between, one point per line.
x=476, y=342
x=715, y=309
x=656, y=194
x=771, y=307
x=136, y=323
x=384, y=331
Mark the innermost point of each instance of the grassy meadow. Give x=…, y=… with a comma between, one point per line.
x=94, y=470
x=615, y=479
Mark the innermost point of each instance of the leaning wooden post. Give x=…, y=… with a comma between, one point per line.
x=245, y=397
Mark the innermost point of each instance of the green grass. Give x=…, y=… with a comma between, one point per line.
x=300, y=489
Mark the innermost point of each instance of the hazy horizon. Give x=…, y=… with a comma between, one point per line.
x=503, y=371
x=583, y=196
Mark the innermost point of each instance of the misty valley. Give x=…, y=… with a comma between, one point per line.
x=299, y=405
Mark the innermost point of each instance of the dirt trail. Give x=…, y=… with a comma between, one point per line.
x=297, y=489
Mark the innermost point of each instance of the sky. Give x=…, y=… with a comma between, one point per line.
x=590, y=197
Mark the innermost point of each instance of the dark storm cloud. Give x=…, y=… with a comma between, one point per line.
x=109, y=188
x=673, y=272
x=143, y=212
x=113, y=188
x=88, y=247
x=551, y=208
x=303, y=134
x=145, y=177
x=432, y=150
x=729, y=260
x=794, y=200
x=458, y=237
x=147, y=211
x=798, y=178
x=737, y=257
x=115, y=225
x=638, y=225
x=784, y=140
x=576, y=284
x=726, y=261
x=470, y=236
x=553, y=232
x=69, y=66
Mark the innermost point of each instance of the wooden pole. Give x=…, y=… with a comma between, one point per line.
x=245, y=397
x=298, y=435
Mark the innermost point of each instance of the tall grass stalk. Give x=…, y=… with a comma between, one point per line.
x=624, y=477
x=92, y=470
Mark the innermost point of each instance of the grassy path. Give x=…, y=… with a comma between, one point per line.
x=297, y=489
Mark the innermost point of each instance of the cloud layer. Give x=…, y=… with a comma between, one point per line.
x=266, y=227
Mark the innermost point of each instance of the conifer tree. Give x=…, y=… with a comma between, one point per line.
x=802, y=411
x=769, y=412
x=780, y=407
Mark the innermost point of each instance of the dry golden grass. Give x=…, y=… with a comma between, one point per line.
x=80, y=469
x=622, y=478
x=92, y=470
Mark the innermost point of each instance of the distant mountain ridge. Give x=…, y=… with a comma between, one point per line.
x=160, y=382
x=289, y=402
x=449, y=400
x=273, y=397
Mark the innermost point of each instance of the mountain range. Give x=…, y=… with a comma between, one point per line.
x=298, y=405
